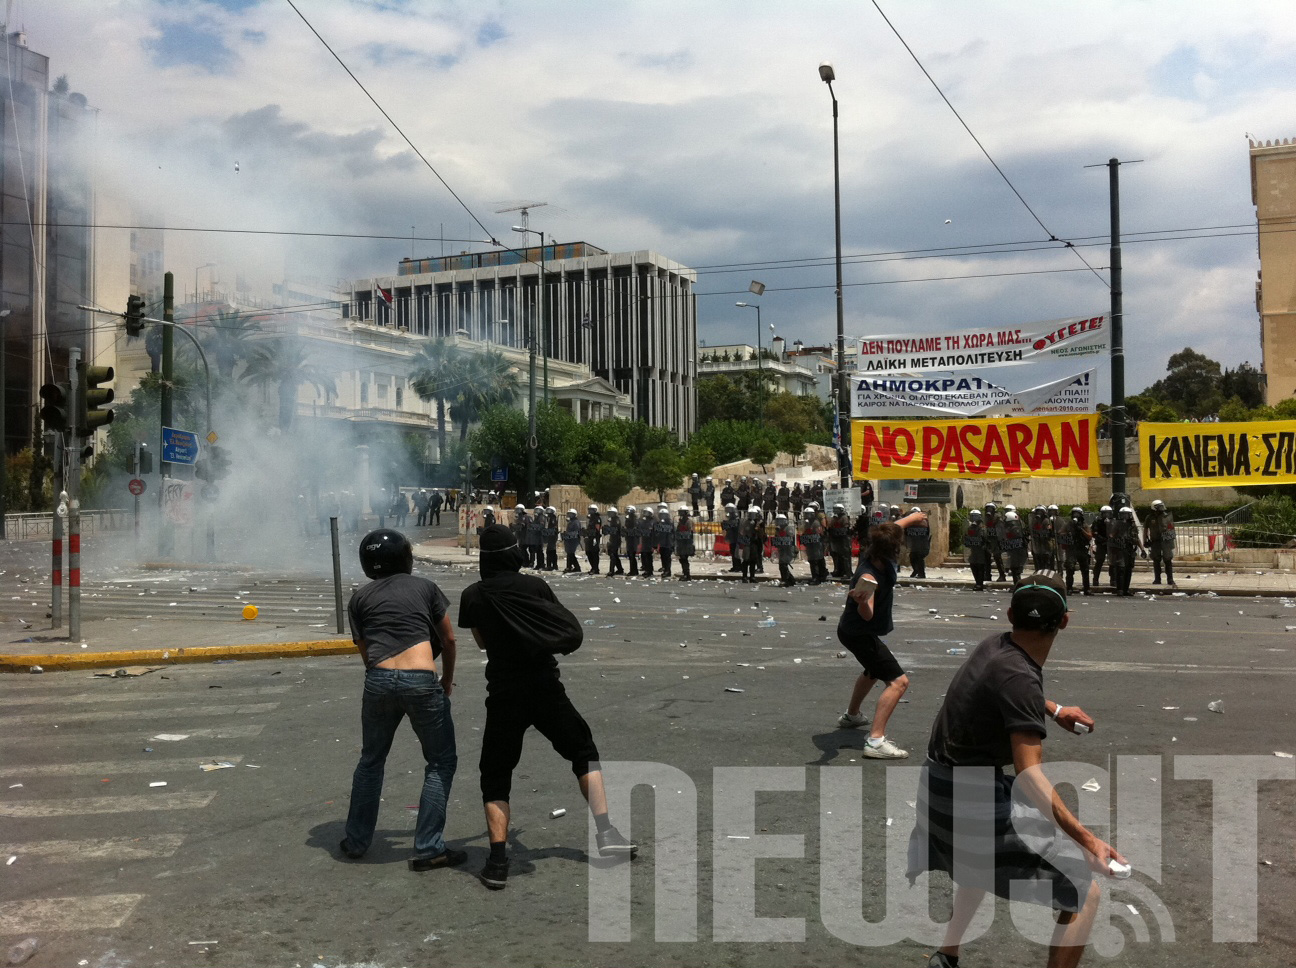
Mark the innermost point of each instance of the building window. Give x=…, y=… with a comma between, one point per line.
x=382, y=391
x=364, y=394
x=400, y=398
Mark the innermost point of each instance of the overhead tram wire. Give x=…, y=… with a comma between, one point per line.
x=1007, y=181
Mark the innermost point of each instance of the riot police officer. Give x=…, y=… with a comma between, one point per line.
x=731, y=525
x=785, y=546
x=1123, y=546
x=1041, y=539
x=839, y=542
x=571, y=542
x=549, y=534
x=710, y=494
x=1012, y=540
x=812, y=540
x=1159, y=535
x=695, y=492
x=593, y=536
x=632, y=538
x=612, y=531
x=976, y=543
x=1073, y=540
x=647, y=528
x=918, y=540
x=684, y=543
x=1101, y=532
x=664, y=539
x=995, y=550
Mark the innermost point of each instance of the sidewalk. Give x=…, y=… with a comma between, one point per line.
x=158, y=642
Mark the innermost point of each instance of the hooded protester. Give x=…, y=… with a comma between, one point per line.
x=521, y=626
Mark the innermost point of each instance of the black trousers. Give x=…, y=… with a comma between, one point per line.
x=818, y=570
x=684, y=566
x=592, y=553
x=510, y=713
x=841, y=563
x=785, y=573
x=1072, y=566
x=665, y=555
x=614, y=560
x=980, y=573
x=918, y=561
x=1100, y=555
x=572, y=563
x=632, y=555
x=646, y=563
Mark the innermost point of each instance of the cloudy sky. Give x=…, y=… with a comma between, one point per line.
x=701, y=130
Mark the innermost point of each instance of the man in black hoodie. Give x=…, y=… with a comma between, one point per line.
x=523, y=690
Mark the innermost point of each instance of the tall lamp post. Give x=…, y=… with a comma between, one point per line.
x=4, y=428
x=760, y=363
x=827, y=75
x=533, y=441
x=540, y=303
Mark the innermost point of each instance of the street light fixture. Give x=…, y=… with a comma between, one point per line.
x=533, y=441
x=828, y=75
x=760, y=363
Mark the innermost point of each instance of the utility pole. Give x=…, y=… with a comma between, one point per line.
x=1116, y=415
x=56, y=528
x=166, y=531
x=75, y=406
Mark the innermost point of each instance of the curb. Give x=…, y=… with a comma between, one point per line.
x=66, y=661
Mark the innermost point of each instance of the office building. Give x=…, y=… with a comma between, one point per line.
x=1273, y=192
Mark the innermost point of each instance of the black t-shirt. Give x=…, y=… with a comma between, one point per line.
x=998, y=691
x=389, y=615
x=850, y=624
x=506, y=663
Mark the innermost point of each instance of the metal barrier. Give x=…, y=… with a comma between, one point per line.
x=1200, y=537
x=40, y=524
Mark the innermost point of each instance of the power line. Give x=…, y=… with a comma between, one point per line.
x=972, y=135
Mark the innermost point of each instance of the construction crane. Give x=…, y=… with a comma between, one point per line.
x=524, y=208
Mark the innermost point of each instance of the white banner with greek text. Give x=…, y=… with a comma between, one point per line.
x=1072, y=338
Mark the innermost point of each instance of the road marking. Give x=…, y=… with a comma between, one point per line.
x=144, y=764
x=111, y=848
x=32, y=719
x=133, y=737
x=66, y=913
x=84, y=698
x=86, y=805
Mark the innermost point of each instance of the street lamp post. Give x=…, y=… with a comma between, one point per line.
x=4, y=429
x=760, y=364
x=533, y=441
x=540, y=303
x=827, y=75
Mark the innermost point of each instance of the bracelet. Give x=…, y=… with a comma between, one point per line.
x=1057, y=708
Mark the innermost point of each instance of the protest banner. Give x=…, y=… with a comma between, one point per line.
x=966, y=395
x=1050, y=341
x=1217, y=454
x=1009, y=447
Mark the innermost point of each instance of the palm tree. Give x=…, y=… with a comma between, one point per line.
x=434, y=375
x=283, y=362
x=227, y=340
x=485, y=380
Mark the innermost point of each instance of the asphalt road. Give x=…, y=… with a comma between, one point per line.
x=118, y=872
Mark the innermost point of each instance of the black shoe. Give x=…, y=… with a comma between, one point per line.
x=348, y=851
x=612, y=844
x=447, y=858
x=495, y=874
x=939, y=960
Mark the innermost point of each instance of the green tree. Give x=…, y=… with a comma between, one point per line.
x=1246, y=384
x=1191, y=386
x=698, y=458
x=283, y=363
x=608, y=483
x=762, y=452
x=484, y=380
x=227, y=341
x=501, y=435
x=659, y=470
x=434, y=373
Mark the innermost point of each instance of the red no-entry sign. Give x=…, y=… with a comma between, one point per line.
x=136, y=486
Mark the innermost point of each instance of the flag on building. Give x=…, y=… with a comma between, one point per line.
x=383, y=294
x=837, y=438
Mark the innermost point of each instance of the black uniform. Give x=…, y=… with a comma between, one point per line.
x=976, y=543
x=593, y=533
x=647, y=525
x=918, y=541
x=839, y=545
x=571, y=543
x=613, y=531
x=1159, y=530
x=632, y=541
x=1073, y=541
x=664, y=538
x=684, y=546
x=709, y=493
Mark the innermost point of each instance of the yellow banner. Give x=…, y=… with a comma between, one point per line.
x=1217, y=454
x=1063, y=446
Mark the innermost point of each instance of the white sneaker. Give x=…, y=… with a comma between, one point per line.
x=847, y=721
x=885, y=750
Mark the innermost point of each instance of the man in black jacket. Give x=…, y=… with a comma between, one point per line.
x=523, y=690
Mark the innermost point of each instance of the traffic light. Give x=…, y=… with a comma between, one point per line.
x=134, y=315
x=93, y=397
x=55, y=411
x=213, y=466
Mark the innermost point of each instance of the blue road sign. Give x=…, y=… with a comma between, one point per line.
x=179, y=446
x=499, y=474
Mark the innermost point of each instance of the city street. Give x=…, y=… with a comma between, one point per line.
x=240, y=866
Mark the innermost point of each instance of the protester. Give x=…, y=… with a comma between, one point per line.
x=400, y=626
x=514, y=619
x=864, y=620
x=994, y=716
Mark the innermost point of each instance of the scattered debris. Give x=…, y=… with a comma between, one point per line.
x=1283, y=756
x=1216, y=705
x=557, y=812
x=158, y=783
x=1092, y=785
x=171, y=737
x=219, y=765
x=734, y=689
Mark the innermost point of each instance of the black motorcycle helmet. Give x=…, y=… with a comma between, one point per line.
x=386, y=552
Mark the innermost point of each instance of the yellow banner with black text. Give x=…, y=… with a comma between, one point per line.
x=1063, y=446
x=1217, y=454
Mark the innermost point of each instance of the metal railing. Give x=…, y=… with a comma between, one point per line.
x=40, y=524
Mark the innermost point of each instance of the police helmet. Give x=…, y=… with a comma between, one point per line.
x=1011, y=516
x=1052, y=507
x=631, y=507
x=1105, y=509
x=915, y=510
x=839, y=509
x=683, y=509
x=551, y=509
x=1079, y=511
x=386, y=552
x=612, y=509
x=593, y=507
x=991, y=506
x=488, y=510
x=781, y=517
x=974, y=515
x=571, y=512
x=1127, y=510
x=540, y=507
x=731, y=507
x=1010, y=507
x=1158, y=505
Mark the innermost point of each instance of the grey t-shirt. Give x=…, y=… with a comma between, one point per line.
x=389, y=615
x=998, y=691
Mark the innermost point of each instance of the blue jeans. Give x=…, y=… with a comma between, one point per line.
x=390, y=695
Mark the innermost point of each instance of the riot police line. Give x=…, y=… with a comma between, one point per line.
x=998, y=541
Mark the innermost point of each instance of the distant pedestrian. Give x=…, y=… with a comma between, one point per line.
x=400, y=625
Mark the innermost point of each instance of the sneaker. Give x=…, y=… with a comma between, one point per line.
x=447, y=858
x=885, y=750
x=495, y=874
x=941, y=960
x=612, y=844
x=350, y=851
x=847, y=721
